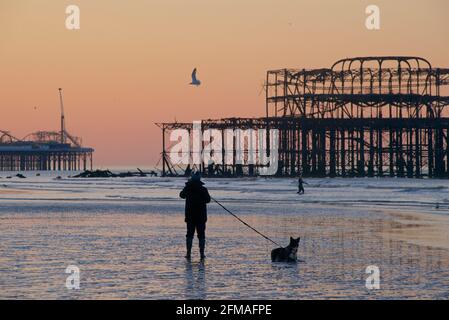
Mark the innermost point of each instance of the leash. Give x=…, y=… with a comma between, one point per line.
x=235, y=216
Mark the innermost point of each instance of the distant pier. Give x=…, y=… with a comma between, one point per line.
x=45, y=150
x=42, y=152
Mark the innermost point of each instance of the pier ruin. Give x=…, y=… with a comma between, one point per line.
x=364, y=116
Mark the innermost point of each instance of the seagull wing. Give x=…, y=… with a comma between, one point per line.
x=194, y=76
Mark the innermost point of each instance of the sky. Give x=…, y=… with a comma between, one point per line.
x=129, y=64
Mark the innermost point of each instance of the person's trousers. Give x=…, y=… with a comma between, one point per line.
x=200, y=228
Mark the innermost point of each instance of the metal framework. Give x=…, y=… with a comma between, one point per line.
x=43, y=151
x=365, y=116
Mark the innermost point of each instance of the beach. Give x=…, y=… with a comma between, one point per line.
x=127, y=236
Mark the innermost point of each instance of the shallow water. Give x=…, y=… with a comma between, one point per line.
x=127, y=238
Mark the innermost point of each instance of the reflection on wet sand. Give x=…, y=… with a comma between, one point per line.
x=195, y=280
x=422, y=229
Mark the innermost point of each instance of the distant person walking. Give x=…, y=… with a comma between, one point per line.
x=300, y=185
x=197, y=197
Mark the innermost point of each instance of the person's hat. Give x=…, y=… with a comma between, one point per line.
x=196, y=176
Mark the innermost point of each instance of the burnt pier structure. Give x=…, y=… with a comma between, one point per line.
x=364, y=116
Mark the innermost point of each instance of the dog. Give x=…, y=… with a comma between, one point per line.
x=287, y=254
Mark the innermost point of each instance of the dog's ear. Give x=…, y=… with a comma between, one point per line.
x=291, y=239
x=299, y=239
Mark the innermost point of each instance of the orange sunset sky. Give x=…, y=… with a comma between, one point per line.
x=130, y=63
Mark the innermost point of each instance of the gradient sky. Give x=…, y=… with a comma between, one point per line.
x=129, y=65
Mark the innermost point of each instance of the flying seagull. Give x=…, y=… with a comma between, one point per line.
x=195, y=81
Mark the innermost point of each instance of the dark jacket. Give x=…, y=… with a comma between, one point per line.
x=196, y=196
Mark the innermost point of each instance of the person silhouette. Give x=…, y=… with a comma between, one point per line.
x=196, y=196
x=300, y=185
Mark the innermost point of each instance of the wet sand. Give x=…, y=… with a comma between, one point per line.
x=11, y=192
x=430, y=230
x=127, y=238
